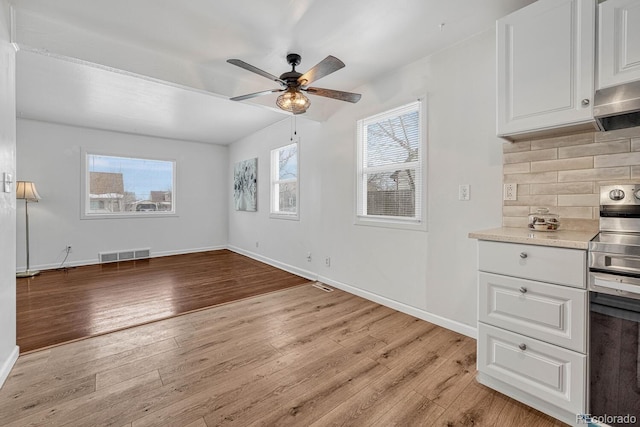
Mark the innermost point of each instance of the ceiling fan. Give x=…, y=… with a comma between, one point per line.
x=294, y=83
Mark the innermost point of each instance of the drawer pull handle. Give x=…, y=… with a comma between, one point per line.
x=523, y=255
x=523, y=289
x=522, y=347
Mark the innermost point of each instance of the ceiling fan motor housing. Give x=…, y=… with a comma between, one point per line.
x=291, y=77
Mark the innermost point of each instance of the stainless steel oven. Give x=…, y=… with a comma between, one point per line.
x=614, y=302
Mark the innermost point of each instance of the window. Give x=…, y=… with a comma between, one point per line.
x=124, y=186
x=284, y=182
x=391, y=151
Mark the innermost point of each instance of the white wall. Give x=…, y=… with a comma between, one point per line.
x=281, y=242
x=429, y=274
x=8, y=348
x=50, y=155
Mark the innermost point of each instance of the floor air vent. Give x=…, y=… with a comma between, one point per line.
x=322, y=287
x=124, y=255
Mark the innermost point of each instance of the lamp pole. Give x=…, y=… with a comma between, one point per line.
x=27, y=272
x=27, y=191
x=26, y=215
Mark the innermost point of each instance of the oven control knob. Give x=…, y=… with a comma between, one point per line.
x=616, y=194
x=637, y=193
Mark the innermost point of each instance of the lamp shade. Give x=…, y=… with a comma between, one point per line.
x=27, y=190
x=294, y=101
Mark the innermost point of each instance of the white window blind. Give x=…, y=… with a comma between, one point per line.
x=390, y=165
x=284, y=181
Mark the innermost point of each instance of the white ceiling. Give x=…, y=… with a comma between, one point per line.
x=158, y=67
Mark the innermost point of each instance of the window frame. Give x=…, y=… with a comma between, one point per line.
x=274, y=195
x=408, y=223
x=85, y=201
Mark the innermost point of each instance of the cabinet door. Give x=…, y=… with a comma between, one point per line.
x=545, y=66
x=618, y=42
x=551, y=313
x=550, y=373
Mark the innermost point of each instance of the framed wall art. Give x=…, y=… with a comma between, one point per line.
x=245, y=185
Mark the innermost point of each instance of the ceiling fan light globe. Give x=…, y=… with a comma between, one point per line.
x=293, y=101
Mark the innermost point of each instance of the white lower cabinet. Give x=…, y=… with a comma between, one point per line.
x=532, y=325
x=551, y=373
x=545, y=264
x=551, y=313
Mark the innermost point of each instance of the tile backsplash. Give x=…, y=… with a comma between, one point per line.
x=564, y=174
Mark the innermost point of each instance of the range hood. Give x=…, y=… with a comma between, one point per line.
x=617, y=107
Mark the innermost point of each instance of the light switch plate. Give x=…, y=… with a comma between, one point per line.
x=7, y=180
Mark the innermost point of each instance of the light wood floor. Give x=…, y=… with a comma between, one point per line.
x=62, y=306
x=300, y=357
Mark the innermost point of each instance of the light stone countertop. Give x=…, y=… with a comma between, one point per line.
x=560, y=238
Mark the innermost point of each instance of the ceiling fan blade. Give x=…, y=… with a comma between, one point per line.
x=325, y=67
x=253, y=95
x=249, y=67
x=335, y=94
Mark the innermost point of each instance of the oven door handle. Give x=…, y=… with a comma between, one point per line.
x=614, y=284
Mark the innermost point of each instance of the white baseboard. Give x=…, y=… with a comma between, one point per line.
x=458, y=327
x=282, y=266
x=7, y=365
x=188, y=251
x=79, y=263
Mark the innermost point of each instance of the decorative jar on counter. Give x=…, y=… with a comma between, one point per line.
x=543, y=220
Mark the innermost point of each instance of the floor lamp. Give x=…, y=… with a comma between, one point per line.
x=26, y=190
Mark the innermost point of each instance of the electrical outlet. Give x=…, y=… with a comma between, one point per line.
x=464, y=192
x=308, y=256
x=257, y=244
x=327, y=262
x=510, y=192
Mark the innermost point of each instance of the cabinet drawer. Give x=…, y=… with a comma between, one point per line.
x=548, y=372
x=546, y=264
x=555, y=314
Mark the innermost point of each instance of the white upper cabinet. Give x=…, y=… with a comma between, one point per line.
x=618, y=42
x=545, y=67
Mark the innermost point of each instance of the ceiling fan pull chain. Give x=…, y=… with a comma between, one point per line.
x=294, y=126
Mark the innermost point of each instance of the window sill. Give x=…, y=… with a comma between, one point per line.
x=412, y=225
x=129, y=216
x=292, y=217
